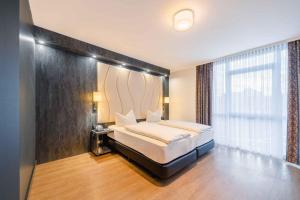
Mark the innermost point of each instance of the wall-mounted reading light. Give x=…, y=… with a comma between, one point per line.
x=166, y=100
x=96, y=98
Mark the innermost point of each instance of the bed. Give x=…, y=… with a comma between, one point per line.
x=161, y=159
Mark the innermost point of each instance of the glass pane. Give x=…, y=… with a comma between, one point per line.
x=245, y=62
x=251, y=93
x=250, y=100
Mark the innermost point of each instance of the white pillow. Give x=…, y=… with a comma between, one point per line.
x=123, y=120
x=153, y=116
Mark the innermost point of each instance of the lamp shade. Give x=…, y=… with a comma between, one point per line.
x=166, y=100
x=97, y=96
x=183, y=19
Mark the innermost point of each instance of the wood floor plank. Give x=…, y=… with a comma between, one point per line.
x=224, y=173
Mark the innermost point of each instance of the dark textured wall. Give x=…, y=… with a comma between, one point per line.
x=27, y=98
x=9, y=99
x=64, y=86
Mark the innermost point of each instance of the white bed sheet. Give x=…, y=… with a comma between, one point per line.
x=155, y=131
x=157, y=150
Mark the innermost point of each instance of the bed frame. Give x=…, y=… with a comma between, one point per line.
x=162, y=171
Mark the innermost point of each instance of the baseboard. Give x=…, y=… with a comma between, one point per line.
x=30, y=180
x=293, y=165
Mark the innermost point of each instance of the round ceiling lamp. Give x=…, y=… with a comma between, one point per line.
x=183, y=19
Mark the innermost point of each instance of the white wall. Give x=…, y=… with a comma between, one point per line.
x=183, y=95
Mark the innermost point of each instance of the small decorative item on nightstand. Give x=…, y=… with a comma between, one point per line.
x=98, y=138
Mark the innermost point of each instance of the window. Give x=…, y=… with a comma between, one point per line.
x=250, y=100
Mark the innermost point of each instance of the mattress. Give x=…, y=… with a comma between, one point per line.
x=158, y=151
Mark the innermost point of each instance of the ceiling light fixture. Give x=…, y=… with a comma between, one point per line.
x=183, y=19
x=94, y=56
x=123, y=64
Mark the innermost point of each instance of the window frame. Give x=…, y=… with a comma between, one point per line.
x=276, y=75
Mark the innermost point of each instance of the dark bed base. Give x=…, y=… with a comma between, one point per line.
x=203, y=149
x=163, y=171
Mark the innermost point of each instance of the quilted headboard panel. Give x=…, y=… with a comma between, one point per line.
x=123, y=90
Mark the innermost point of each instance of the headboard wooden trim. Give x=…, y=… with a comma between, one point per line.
x=78, y=47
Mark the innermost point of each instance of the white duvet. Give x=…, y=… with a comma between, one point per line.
x=189, y=126
x=155, y=131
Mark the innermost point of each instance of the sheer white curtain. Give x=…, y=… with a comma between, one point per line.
x=250, y=100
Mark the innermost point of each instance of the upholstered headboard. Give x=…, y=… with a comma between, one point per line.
x=123, y=90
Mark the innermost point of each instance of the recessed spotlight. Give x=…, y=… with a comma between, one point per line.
x=41, y=41
x=183, y=19
x=94, y=56
x=26, y=38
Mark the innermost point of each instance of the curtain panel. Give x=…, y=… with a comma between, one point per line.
x=293, y=139
x=204, y=75
x=249, y=106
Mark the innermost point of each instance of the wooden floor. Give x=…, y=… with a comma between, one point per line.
x=222, y=174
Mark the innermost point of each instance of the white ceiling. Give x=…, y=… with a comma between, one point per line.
x=143, y=28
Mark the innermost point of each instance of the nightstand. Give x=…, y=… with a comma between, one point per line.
x=98, y=140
